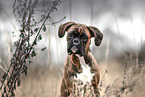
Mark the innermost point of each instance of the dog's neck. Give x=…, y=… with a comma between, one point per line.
x=77, y=59
x=81, y=59
x=86, y=75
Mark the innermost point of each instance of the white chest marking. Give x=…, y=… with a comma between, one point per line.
x=86, y=75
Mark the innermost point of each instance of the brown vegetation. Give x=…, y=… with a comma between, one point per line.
x=119, y=81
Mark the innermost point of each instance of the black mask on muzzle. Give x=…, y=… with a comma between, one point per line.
x=76, y=46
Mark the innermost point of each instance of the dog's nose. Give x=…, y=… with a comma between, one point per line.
x=76, y=41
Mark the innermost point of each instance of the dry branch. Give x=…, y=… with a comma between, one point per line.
x=24, y=11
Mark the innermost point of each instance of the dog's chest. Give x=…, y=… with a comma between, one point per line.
x=85, y=76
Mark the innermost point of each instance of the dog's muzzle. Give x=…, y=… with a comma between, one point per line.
x=76, y=42
x=76, y=47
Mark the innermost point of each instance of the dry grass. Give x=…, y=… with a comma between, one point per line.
x=40, y=82
x=80, y=90
x=123, y=82
x=44, y=81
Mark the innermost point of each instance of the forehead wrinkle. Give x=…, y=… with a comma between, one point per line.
x=79, y=29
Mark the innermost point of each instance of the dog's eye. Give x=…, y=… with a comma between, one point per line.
x=70, y=36
x=84, y=38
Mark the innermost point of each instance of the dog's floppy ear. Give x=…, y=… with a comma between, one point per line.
x=64, y=27
x=95, y=32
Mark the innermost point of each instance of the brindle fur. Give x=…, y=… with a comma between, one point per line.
x=72, y=67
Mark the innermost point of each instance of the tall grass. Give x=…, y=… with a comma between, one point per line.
x=44, y=81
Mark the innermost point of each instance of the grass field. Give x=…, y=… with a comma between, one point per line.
x=44, y=81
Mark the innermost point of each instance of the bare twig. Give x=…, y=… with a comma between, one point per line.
x=24, y=49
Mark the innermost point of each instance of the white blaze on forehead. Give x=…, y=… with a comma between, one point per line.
x=86, y=75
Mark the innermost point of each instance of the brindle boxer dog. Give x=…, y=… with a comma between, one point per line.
x=79, y=58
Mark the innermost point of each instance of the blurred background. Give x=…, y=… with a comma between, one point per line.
x=121, y=21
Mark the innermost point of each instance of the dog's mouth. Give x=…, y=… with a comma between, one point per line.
x=76, y=50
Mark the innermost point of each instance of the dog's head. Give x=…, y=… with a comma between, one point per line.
x=78, y=37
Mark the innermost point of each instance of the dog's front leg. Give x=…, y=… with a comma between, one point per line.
x=96, y=78
x=65, y=92
x=95, y=85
